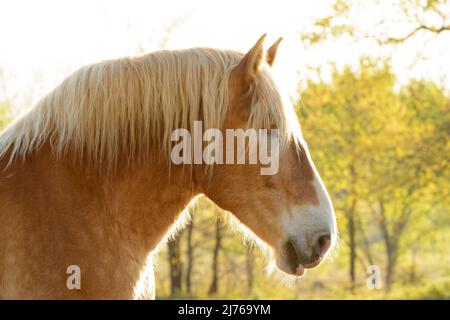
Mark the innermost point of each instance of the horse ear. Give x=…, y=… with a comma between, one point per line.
x=272, y=52
x=249, y=65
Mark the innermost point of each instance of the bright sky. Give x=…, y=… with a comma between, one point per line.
x=43, y=41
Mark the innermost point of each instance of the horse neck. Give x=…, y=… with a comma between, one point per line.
x=150, y=198
x=86, y=217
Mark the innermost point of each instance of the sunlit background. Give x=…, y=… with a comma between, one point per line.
x=41, y=42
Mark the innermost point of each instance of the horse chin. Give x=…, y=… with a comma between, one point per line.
x=289, y=266
x=298, y=271
x=290, y=262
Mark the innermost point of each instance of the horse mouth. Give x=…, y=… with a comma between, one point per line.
x=296, y=262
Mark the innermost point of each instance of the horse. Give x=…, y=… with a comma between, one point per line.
x=88, y=191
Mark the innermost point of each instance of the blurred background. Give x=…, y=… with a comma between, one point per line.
x=370, y=82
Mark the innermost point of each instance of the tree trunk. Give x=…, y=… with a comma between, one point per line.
x=249, y=267
x=391, y=252
x=214, y=287
x=391, y=240
x=351, y=231
x=351, y=227
x=365, y=241
x=190, y=256
x=412, y=270
x=351, y=216
x=175, y=266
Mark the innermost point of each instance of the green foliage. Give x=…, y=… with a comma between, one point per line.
x=382, y=154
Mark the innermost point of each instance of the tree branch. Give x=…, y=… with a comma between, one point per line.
x=422, y=27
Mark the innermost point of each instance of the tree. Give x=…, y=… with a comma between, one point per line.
x=249, y=264
x=189, y=255
x=406, y=20
x=214, y=286
x=416, y=170
x=380, y=152
x=175, y=265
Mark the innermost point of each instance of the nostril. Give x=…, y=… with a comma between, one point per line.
x=323, y=244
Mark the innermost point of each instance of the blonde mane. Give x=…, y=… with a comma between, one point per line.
x=120, y=108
